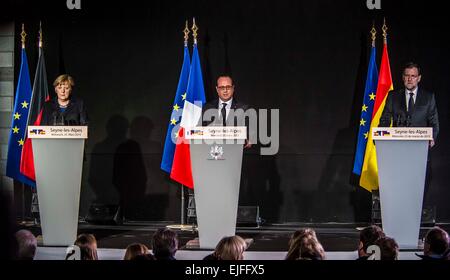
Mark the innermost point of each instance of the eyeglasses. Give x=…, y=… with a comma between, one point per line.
x=410, y=76
x=225, y=87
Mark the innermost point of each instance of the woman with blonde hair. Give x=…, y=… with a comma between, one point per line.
x=64, y=109
x=135, y=249
x=229, y=248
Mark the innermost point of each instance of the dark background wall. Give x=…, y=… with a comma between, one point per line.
x=306, y=58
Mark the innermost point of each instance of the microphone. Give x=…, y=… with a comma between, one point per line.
x=54, y=117
x=408, y=120
x=401, y=119
x=398, y=122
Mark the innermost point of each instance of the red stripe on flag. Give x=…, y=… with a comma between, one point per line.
x=27, y=158
x=384, y=81
x=181, y=166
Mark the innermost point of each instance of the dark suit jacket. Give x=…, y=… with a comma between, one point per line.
x=216, y=118
x=424, y=114
x=75, y=113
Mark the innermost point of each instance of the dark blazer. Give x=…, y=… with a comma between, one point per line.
x=425, y=113
x=216, y=118
x=75, y=113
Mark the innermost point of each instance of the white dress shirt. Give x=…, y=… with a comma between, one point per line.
x=227, y=109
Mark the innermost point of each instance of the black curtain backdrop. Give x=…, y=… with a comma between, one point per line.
x=306, y=58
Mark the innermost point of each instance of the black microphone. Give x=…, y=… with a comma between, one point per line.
x=54, y=117
x=398, y=122
x=401, y=119
x=408, y=120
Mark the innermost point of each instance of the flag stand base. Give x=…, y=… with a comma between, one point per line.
x=183, y=227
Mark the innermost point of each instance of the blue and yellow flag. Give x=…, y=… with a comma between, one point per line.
x=19, y=124
x=366, y=112
x=175, y=117
x=369, y=172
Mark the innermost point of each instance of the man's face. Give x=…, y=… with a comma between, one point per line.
x=411, y=78
x=225, y=88
x=63, y=91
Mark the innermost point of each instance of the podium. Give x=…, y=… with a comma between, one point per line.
x=58, y=161
x=216, y=159
x=402, y=160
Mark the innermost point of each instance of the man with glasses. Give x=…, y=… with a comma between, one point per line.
x=411, y=106
x=224, y=111
x=414, y=107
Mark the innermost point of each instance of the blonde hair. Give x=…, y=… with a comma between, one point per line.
x=62, y=79
x=135, y=249
x=230, y=248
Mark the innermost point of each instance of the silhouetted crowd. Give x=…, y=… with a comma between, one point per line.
x=303, y=245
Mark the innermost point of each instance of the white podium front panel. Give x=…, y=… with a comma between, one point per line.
x=401, y=171
x=58, y=162
x=216, y=170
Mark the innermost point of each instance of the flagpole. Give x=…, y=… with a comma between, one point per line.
x=183, y=221
x=384, y=28
x=40, y=34
x=183, y=201
x=182, y=225
x=373, y=32
x=23, y=203
x=23, y=34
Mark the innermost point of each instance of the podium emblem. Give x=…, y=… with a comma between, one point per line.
x=216, y=152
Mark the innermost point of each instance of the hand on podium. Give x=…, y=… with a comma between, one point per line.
x=431, y=143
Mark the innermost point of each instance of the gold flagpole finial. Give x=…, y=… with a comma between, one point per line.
x=385, y=28
x=40, y=34
x=23, y=35
x=194, y=31
x=374, y=34
x=186, y=34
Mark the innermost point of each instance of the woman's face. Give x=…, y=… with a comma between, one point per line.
x=63, y=91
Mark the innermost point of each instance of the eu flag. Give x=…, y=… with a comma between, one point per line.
x=366, y=112
x=19, y=124
x=175, y=118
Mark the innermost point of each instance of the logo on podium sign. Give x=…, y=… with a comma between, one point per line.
x=216, y=152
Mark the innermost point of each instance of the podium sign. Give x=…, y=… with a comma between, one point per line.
x=58, y=161
x=402, y=160
x=216, y=158
x=217, y=133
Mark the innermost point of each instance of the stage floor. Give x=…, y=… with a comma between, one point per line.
x=269, y=242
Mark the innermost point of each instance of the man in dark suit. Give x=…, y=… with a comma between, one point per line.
x=225, y=110
x=414, y=107
x=411, y=106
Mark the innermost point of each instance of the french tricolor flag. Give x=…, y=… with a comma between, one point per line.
x=192, y=112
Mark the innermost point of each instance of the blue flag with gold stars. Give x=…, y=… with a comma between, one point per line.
x=19, y=124
x=175, y=117
x=366, y=112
